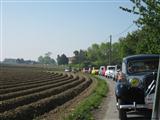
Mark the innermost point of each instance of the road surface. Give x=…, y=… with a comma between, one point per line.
x=108, y=110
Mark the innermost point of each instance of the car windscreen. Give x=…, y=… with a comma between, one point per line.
x=86, y=68
x=111, y=68
x=146, y=65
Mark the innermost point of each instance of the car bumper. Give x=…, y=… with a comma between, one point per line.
x=139, y=106
x=134, y=106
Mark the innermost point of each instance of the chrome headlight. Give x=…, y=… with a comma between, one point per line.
x=134, y=82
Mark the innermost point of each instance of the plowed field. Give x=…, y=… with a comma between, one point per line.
x=26, y=93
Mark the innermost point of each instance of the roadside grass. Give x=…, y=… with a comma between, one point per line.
x=83, y=110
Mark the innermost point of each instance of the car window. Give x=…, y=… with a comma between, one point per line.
x=111, y=68
x=146, y=65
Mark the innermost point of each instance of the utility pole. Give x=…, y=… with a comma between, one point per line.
x=156, y=103
x=110, y=47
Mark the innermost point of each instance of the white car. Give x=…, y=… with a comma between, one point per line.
x=111, y=71
x=67, y=69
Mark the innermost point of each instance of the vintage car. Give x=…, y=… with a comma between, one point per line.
x=86, y=70
x=94, y=71
x=102, y=70
x=111, y=71
x=135, y=86
x=68, y=69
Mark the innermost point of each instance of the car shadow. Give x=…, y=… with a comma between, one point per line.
x=143, y=115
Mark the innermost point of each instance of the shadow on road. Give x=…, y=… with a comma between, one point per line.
x=139, y=115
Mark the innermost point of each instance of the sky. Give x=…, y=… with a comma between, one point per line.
x=32, y=28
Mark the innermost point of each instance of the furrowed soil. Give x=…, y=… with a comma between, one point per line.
x=63, y=111
x=27, y=93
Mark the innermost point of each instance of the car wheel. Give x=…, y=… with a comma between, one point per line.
x=122, y=112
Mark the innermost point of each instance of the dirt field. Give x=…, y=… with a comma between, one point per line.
x=26, y=93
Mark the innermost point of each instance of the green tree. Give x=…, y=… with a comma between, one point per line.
x=62, y=60
x=149, y=22
x=40, y=59
x=98, y=54
x=46, y=59
x=20, y=60
x=80, y=58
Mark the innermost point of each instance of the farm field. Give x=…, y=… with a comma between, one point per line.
x=26, y=93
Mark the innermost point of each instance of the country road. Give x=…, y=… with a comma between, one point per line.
x=108, y=110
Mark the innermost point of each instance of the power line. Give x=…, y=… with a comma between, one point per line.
x=120, y=33
x=110, y=42
x=125, y=30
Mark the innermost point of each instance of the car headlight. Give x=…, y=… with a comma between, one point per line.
x=134, y=82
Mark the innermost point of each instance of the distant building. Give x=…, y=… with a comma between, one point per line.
x=10, y=61
x=71, y=60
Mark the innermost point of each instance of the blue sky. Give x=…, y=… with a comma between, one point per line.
x=30, y=29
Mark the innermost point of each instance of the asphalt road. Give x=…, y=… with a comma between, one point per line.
x=108, y=110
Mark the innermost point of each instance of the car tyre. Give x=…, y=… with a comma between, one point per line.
x=122, y=112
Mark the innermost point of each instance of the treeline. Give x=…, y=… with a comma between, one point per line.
x=18, y=61
x=46, y=59
x=98, y=54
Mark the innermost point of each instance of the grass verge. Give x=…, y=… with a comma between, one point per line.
x=83, y=110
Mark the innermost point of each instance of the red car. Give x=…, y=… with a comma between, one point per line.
x=102, y=70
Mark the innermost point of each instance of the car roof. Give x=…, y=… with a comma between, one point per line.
x=111, y=65
x=141, y=56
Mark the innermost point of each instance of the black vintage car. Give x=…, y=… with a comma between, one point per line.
x=136, y=85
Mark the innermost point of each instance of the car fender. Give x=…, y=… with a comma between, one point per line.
x=121, y=90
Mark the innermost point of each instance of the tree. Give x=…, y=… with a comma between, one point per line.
x=46, y=59
x=149, y=22
x=40, y=59
x=62, y=60
x=116, y=54
x=20, y=60
x=76, y=52
x=80, y=57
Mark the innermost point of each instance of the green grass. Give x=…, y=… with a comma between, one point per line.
x=83, y=110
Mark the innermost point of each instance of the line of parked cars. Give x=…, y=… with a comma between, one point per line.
x=109, y=71
x=135, y=83
x=70, y=69
x=135, y=86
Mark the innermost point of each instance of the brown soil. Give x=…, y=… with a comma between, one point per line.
x=62, y=111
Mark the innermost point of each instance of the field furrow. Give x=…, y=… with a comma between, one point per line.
x=45, y=105
x=36, y=89
x=34, y=80
x=46, y=82
x=19, y=101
